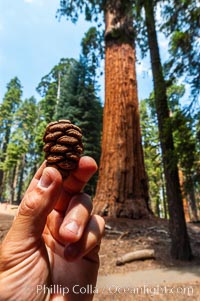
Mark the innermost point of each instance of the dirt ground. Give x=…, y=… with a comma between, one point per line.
x=123, y=236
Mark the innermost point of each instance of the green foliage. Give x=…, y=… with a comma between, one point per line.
x=122, y=30
x=70, y=92
x=185, y=129
x=72, y=9
x=181, y=25
x=185, y=132
x=49, y=88
x=174, y=94
x=8, y=108
x=20, y=155
x=78, y=100
x=184, y=140
x=53, y=76
x=92, y=9
x=16, y=148
x=152, y=156
x=180, y=22
x=79, y=103
x=140, y=27
x=48, y=103
x=92, y=49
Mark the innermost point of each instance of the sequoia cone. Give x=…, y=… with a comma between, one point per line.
x=63, y=146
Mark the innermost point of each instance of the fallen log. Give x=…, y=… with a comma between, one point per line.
x=108, y=227
x=114, y=232
x=136, y=255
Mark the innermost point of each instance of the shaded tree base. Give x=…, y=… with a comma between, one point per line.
x=131, y=208
x=178, y=252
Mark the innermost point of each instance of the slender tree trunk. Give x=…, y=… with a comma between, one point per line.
x=122, y=189
x=1, y=185
x=192, y=199
x=157, y=207
x=4, y=149
x=14, y=182
x=185, y=202
x=21, y=176
x=180, y=247
x=163, y=188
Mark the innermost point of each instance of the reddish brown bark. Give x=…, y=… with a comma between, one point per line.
x=122, y=186
x=185, y=202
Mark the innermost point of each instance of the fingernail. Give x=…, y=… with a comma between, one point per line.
x=45, y=180
x=72, y=227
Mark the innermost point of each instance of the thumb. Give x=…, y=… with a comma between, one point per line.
x=36, y=205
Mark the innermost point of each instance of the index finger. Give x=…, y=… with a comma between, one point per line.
x=36, y=177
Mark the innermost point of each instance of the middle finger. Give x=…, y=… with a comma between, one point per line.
x=68, y=227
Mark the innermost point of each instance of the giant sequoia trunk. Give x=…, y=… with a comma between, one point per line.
x=122, y=189
x=180, y=247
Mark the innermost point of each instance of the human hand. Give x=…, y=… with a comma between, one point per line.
x=51, y=250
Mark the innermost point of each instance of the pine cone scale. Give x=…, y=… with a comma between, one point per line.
x=52, y=136
x=58, y=148
x=48, y=146
x=55, y=158
x=59, y=127
x=74, y=133
x=67, y=140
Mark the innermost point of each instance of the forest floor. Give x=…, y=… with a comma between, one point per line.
x=156, y=279
x=159, y=279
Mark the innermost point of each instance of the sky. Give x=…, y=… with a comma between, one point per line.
x=32, y=42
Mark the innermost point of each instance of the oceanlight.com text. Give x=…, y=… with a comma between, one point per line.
x=151, y=290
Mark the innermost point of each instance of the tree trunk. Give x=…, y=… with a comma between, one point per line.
x=21, y=177
x=185, y=202
x=14, y=182
x=157, y=206
x=1, y=185
x=4, y=149
x=136, y=255
x=180, y=247
x=192, y=199
x=163, y=189
x=122, y=189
